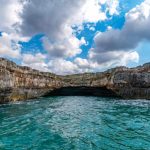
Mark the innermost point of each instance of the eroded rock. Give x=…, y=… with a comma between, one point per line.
x=21, y=83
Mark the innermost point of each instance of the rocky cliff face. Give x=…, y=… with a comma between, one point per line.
x=21, y=83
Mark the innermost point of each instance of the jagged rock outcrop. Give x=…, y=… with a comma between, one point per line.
x=21, y=83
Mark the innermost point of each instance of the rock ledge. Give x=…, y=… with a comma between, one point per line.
x=22, y=83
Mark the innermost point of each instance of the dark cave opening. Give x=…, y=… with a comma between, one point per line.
x=82, y=91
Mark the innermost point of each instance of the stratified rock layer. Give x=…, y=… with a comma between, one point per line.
x=22, y=83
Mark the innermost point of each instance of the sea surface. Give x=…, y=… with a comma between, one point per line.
x=75, y=123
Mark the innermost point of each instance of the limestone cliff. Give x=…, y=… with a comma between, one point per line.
x=21, y=83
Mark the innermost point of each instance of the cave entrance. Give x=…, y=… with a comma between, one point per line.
x=82, y=91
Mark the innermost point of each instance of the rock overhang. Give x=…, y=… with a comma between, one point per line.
x=21, y=83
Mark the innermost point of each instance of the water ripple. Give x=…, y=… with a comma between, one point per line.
x=75, y=123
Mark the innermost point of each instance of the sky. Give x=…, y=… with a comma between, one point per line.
x=75, y=36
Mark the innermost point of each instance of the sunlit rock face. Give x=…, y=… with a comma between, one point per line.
x=22, y=83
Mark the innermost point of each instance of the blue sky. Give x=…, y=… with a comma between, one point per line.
x=87, y=36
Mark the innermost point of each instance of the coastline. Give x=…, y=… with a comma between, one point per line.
x=22, y=83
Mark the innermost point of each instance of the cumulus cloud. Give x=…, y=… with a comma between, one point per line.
x=113, y=58
x=86, y=64
x=59, y=66
x=53, y=17
x=56, y=18
x=116, y=46
x=112, y=6
x=9, y=47
x=78, y=65
x=35, y=61
x=135, y=30
x=62, y=66
x=9, y=15
x=24, y=18
x=66, y=48
x=49, y=17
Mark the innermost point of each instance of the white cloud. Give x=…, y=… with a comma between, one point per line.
x=91, y=12
x=82, y=63
x=9, y=47
x=78, y=65
x=63, y=49
x=9, y=14
x=35, y=61
x=109, y=28
x=113, y=58
x=135, y=30
x=115, y=47
x=140, y=12
x=56, y=18
x=92, y=28
x=58, y=65
x=112, y=7
x=61, y=66
x=60, y=41
x=29, y=58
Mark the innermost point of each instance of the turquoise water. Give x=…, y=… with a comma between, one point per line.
x=75, y=123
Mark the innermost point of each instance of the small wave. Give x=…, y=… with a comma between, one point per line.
x=75, y=123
